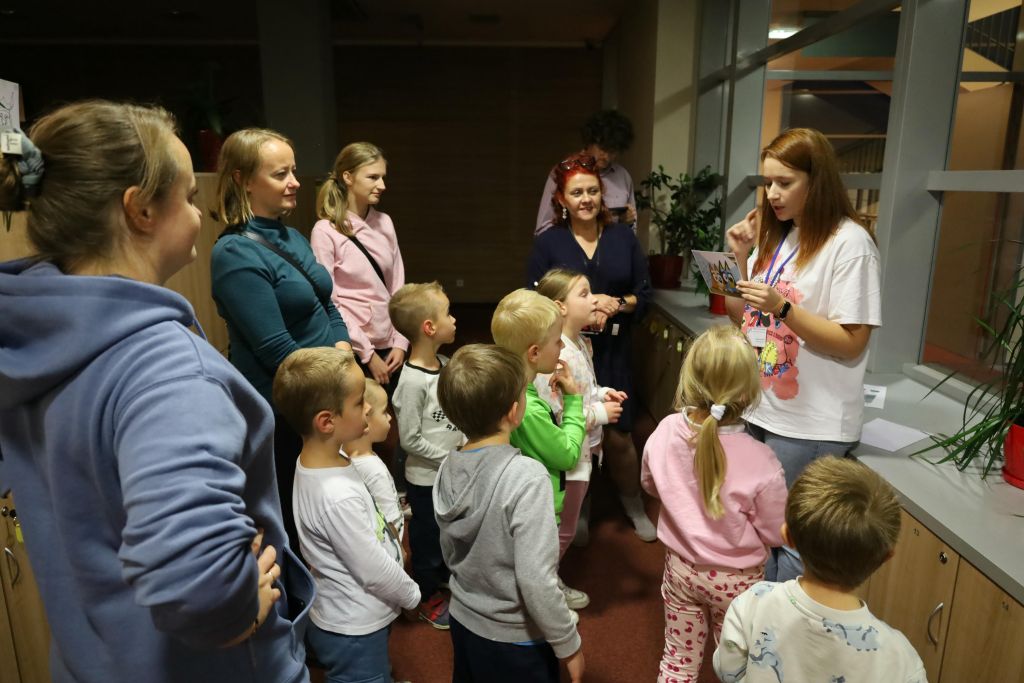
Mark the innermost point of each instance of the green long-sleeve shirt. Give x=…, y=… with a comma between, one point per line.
x=557, y=447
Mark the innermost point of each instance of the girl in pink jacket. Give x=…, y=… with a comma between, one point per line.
x=723, y=496
x=357, y=245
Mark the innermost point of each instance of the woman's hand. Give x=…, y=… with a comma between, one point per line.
x=761, y=296
x=268, y=595
x=379, y=369
x=394, y=360
x=609, y=305
x=742, y=236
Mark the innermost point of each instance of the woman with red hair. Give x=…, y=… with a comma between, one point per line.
x=811, y=296
x=584, y=239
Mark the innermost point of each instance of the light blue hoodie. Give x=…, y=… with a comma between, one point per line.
x=142, y=465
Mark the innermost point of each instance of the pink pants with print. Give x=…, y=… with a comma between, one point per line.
x=695, y=595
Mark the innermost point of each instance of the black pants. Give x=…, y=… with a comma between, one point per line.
x=479, y=660
x=428, y=568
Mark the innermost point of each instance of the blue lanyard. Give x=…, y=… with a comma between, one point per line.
x=771, y=282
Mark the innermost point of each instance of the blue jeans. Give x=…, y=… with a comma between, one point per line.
x=352, y=659
x=784, y=563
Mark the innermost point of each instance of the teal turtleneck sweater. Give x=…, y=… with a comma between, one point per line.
x=270, y=308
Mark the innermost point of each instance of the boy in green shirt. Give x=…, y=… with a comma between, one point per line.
x=530, y=325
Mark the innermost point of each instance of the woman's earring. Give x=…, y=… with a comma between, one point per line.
x=565, y=213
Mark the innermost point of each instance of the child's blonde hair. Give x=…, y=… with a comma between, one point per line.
x=478, y=386
x=720, y=369
x=414, y=303
x=522, y=319
x=311, y=380
x=843, y=519
x=557, y=283
x=375, y=395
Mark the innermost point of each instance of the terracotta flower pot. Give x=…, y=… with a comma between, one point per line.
x=1013, y=452
x=665, y=270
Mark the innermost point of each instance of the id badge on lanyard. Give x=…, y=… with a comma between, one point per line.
x=757, y=334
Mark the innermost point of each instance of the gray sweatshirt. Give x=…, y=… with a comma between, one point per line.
x=500, y=541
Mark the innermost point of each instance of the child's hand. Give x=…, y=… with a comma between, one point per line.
x=614, y=410
x=575, y=665
x=615, y=395
x=562, y=379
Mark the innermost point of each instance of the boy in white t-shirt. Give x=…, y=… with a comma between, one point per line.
x=844, y=519
x=371, y=468
x=355, y=559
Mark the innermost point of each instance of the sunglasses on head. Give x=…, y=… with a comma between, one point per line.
x=588, y=162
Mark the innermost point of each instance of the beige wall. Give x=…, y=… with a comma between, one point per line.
x=652, y=57
x=964, y=255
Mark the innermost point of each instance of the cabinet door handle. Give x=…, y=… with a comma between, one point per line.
x=931, y=618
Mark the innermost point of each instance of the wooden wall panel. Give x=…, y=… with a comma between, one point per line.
x=470, y=135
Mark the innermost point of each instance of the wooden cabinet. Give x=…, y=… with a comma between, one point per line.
x=24, y=633
x=965, y=628
x=986, y=629
x=659, y=347
x=913, y=591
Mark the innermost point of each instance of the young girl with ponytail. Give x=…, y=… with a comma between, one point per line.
x=357, y=245
x=723, y=496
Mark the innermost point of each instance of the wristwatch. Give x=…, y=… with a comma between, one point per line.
x=622, y=302
x=784, y=311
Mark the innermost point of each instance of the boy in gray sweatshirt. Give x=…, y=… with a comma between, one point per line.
x=509, y=620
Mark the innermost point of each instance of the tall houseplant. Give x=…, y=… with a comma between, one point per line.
x=993, y=417
x=683, y=218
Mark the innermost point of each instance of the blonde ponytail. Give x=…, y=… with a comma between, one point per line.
x=709, y=466
x=720, y=378
x=332, y=199
x=332, y=204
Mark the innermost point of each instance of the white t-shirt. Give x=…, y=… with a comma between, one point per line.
x=775, y=633
x=355, y=561
x=807, y=394
x=578, y=355
x=382, y=487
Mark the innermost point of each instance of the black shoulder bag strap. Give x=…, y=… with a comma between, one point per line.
x=373, y=261
x=288, y=258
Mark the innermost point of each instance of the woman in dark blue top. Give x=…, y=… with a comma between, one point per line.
x=271, y=307
x=611, y=257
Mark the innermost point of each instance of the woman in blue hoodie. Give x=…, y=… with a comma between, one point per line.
x=140, y=458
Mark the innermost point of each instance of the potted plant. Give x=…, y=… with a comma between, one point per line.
x=993, y=418
x=683, y=218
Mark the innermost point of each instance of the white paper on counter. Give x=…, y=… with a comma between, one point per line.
x=889, y=436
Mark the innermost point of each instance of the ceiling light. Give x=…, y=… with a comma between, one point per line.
x=781, y=33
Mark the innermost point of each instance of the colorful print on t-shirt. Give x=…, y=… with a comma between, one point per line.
x=777, y=360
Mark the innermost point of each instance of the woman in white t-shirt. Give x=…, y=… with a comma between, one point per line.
x=811, y=296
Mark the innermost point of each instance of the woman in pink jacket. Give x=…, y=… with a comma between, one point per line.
x=358, y=247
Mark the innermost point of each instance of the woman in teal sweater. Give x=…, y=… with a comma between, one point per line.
x=267, y=285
